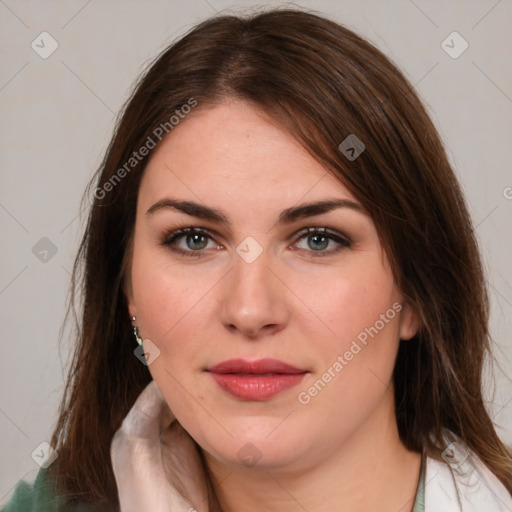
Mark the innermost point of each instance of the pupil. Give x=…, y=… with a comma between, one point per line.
x=323, y=242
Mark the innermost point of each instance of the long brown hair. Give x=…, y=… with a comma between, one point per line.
x=322, y=83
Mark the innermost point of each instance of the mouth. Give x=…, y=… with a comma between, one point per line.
x=255, y=380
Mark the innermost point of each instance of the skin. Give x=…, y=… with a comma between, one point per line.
x=294, y=302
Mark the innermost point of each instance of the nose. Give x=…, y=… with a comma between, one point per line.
x=253, y=299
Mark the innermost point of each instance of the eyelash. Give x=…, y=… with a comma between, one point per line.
x=342, y=240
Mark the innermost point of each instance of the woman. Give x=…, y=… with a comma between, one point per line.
x=277, y=225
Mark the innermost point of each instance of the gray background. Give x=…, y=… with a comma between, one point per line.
x=57, y=116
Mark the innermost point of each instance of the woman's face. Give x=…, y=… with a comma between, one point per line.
x=247, y=281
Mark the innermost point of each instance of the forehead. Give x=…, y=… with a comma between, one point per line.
x=233, y=151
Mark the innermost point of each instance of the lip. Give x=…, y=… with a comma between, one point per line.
x=255, y=380
x=259, y=366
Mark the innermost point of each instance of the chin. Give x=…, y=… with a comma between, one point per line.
x=255, y=451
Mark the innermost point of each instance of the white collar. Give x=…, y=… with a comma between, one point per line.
x=464, y=486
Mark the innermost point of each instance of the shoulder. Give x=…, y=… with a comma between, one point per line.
x=463, y=483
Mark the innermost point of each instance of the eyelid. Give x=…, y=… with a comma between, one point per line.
x=188, y=230
x=333, y=234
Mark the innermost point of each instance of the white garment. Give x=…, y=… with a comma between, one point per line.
x=467, y=486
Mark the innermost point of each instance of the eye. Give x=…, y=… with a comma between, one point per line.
x=318, y=239
x=192, y=241
x=189, y=241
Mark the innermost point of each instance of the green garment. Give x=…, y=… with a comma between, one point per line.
x=419, y=501
x=41, y=497
x=28, y=498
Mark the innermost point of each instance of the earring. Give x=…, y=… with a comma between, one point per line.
x=136, y=331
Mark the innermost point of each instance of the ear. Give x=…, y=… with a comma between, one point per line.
x=128, y=292
x=127, y=279
x=132, y=310
x=409, y=322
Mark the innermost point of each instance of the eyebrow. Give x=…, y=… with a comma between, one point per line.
x=286, y=216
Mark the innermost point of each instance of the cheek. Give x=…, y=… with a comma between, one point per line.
x=356, y=354
x=171, y=309
x=168, y=301
x=351, y=304
x=362, y=310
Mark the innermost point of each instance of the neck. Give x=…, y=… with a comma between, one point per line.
x=372, y=470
